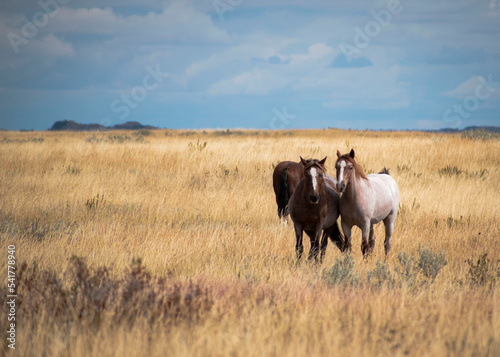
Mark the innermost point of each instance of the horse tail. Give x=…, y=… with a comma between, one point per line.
x=385, y=171
x=337, y=238
x=283, y=193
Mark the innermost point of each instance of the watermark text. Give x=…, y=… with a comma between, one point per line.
x=11, y=296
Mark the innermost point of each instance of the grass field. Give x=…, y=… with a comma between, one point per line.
x=167, y=243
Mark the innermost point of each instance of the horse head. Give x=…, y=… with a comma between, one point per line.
x=347, y=169
x=313, y=176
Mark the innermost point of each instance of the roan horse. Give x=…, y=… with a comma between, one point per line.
x=366, y=200
x=286, y=177
x=314, y=208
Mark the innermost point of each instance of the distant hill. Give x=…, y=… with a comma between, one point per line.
x=132, y=125
x=490, y=129
x=70, y=125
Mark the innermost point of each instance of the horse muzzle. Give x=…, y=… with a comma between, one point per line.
x=341, y=186
x=314, y=199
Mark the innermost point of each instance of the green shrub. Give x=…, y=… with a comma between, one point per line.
x=119, y=138
x=479, y=134
x=381, y=276
x=450, y=171
x=143, y=132
x=430, y=263
x=198, y=146
x=95, y=203
x=483, y=272
x=93, y=139
x=342, y=272
x=455, y=171
x=407, y=269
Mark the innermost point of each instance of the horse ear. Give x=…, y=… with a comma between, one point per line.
x=304, y=162
x=351, y=154
x=339, y=154
x=322, y=162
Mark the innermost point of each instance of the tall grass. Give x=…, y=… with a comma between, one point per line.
x=171, y=245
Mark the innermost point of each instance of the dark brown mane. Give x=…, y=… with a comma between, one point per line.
x=357, y=167
x=315, y=163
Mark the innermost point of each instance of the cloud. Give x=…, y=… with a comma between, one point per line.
x=358, y=62
x=259, y=54
x=177, y=23
x=106, y=49
x=315, y=53
x=477, y=89
x=466, y=88
x=367, y=88
x=262, y=80
x=277, y=60
x=309, y=74
x=255, y=82
x=52, y=46
x=448, y=55
x=239, y=57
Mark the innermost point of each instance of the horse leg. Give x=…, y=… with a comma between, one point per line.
x=347, y=236
x=324, y=244
x=371, y=239
x=299, y=248
x=315, y=237
x=389, y=227
x=365, y=234
x=336, y=237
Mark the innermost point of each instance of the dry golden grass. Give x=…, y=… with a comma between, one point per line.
x=218, y=274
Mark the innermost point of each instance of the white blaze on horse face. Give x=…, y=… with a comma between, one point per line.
x=314, y=176
x=341, y=173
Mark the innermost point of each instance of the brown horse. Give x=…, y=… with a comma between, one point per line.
x=366, y=200
x=314, y=208
x=286, y=177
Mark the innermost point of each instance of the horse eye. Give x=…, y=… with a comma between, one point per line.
x=350, y=167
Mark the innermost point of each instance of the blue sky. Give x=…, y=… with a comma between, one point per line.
x=251, y=64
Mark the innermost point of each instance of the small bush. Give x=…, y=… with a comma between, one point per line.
x=198, y=146
x=22, y=141
x=401, y=169
x=381, y=276
x=247, y=274
x=450, y=171
x=73, y=170
x=430, y=263
x=87, y=296
x=427, y=266
x=407, y=269
x=143, y=132
x=342, y=272
x=479, y=134
x=228, y=132
x=37, y=231
x=119, y=138
x=93, y=139
x=95, y=203
x=455, y=171
x=483, y=272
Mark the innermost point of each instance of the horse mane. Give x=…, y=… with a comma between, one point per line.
x=385, y=171
x=357, y=167
x=314, y=162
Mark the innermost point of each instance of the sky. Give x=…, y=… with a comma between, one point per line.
x=390, y=64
